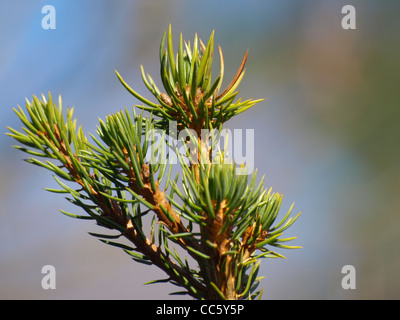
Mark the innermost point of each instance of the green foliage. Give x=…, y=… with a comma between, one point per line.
x=192, y=98
x=225, y=222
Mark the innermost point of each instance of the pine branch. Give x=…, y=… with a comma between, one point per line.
x=223, y=221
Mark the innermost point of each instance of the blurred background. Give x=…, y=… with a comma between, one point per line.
x=326, y=135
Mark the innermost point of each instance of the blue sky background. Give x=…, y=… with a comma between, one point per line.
x=326, y=135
